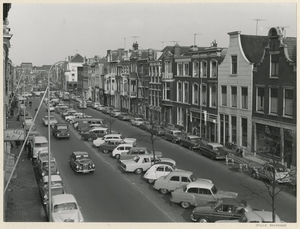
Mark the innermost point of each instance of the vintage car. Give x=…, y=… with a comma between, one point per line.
x=43, y=156
x=57, y=187
x=137, y=121
x=221, y=209
x=146, y=125
x=141, y=163
x=115, y=112
x=139, y=151
x=28, y=123
x=81, y=162
x=267, y=170
x=32, y=134
x=61, y=130
x=113, y=137
x=108, y=146
x=52, y=120
x=51, y=108
x=158, y=170
x=43, y=167
x=82, y=105
x=254, y=217
x=64, y=208
x=95, y=105
x=199, y=192
x=213, y=151
x=68, y=112
x=124, y=116
x=192, y=142
x=122, y=148
x=173, y=135
x=94, y=133
x=88, y=128
x=174, y=180
x=38, y=143
x=157, y=130
x=99, y=108
x=106, y=110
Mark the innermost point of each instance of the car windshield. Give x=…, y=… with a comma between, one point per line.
x=65, y=207
x=54, y=184
x=281, y=169
x=214, y=190
x=46, y=164
x=62, y=127
x=39, y=145
x=192, y=177
x=195, y=139
x=177, y=133
x=82, y=157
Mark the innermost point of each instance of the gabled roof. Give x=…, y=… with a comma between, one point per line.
x=253, y=46
x=291, y=43
x=77, y=59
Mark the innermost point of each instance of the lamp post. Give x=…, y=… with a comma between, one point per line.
x=49, y=155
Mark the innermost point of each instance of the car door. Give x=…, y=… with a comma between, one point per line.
x=173, y=183
x=160, y=171
x=204, y=196
x=224, y=212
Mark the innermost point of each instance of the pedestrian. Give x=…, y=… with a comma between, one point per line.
x=36, y=110
x=17, y=144
x=28, y=148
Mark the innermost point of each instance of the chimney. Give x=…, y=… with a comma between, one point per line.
x=120, y=53
x=177, y=50
x=214, y=44
x=135, y=46
x=150, y=54
x=139, y=54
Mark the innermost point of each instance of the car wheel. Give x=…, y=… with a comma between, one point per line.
x=254, y=175
x=90, y=139
x=203, y=220
x=117, y=156
x=105, y=151
x=151, y=181
x=163, y=191
x=138, y=171
x=185, y=204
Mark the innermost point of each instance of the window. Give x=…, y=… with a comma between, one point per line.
x=195, y=94
x=233, y=128
x=244, y=98
x=204, y=69
x=213, y=95
x=193, y=190
x=185, y=179
x=233, y=96
x=244, y=132
x=195, y=69
x=214, y=69
x=273, y=100
x=274, y=65
x=175, y=178
x=233, y=64
x=179, y=69
x=260, y=99
x=204, y=95
x=179, y=92
x=186, y=69
x=180, y=116
x=288, y=102
x=166, y=91
x=224, y=95
x=186, y=92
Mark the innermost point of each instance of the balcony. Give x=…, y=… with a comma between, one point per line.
x=133, y=94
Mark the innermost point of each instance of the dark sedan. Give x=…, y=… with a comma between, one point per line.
x=108, y=146
x=224, y=209
x=81, y=162
x=124, y=117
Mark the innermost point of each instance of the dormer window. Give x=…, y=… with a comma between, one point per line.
x=274, y=65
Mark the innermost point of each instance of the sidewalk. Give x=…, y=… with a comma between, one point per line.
x=22, y=195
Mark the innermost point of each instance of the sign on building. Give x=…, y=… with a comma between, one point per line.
x=14, y=135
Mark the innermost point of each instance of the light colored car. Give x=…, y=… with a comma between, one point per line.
x=174, y=180
x=64, y=208
x=137, y=121
x=141, y=163
x=38, y=143
x=51, y=108
x=95, y=105
x=57, y=187
x=158, y=170
x=254, y=217
x=28, y=123
x=52, y=120
x=198, y=193
x=122, y=148
x=43, y=156
x=113, y=137
x=139, y=151
x=173, y=135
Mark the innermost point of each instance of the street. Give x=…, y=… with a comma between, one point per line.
x=110, y=195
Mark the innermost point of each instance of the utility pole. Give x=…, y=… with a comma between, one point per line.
x=257, y=20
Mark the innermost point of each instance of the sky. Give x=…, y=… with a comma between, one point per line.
x=44, y=33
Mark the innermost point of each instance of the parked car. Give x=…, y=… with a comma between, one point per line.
x=43, y=156
x=28, y=123
x=61, y=130
x=68, y=112
x=141, y=163
x=192, y=142
x=113, y=137
x=124, y=116
x=158, y=170
x=82, y=105
x=221, y=209
x=122, y=148
x=267, y=170
x=46, y=121
x=115, y=112
x=94, y=133
x=146, y=125
x=57, y=187
x=139, y=151
x=108, y=146
x=137, y=121
x=199, y=192
x=101, y=108
x=157, y=130
x=106, y=110
x=38, y=143
x=64, y=208
x=213, y=151
x=174, y=135
x=95, y=105
x=51, y=108
x=89, y=103
x=81, y=162
x=254, y=217
x=174, y=180
x=88, y=128
x=43, y=167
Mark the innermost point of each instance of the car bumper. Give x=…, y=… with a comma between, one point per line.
x=193, y=218
x=63, y=135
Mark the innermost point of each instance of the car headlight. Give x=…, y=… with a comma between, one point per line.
x=77, y=166
x=43, y=173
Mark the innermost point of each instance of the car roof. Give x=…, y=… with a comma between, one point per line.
x=53, y=178
x=181, y=173
x=200, y=184
x=61, y=124
x=99, y=128
x=162, y=163
x=213, y=144
x=125, y=144
x=34, y=132
x=113, y=135
x=40, y=139
x=63, y=198
x=77, y=153
x=193, y=136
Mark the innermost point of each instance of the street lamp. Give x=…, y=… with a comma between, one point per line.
x=49, y=156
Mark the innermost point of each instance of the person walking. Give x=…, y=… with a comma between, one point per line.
x=28, y=149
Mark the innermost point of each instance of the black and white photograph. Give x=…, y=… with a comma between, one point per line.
x=150, y=112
